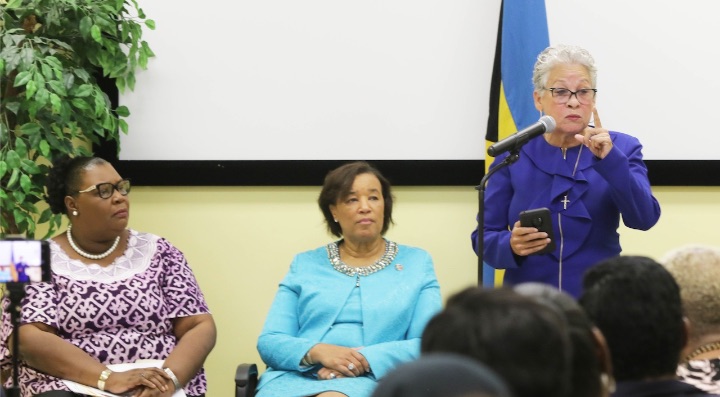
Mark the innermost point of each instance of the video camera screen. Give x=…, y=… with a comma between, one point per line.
x=24, y=261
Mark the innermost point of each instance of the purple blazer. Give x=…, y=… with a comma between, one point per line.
x=599, y=193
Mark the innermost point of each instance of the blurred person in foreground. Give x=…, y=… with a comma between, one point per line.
x=520, y=339
x=586, y=175
x=696, y=269
x=117, y=296
x=442, y=375
x=636, y=304
x=591, y=369
x=350, y=311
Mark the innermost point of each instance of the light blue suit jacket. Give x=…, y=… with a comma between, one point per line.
x=397, y=303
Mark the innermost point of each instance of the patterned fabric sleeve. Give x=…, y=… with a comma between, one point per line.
x=182, y=292
x=703, y=374
x=38, y=306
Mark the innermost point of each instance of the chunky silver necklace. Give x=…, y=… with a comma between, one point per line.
x=85, y=254
x=333, y=250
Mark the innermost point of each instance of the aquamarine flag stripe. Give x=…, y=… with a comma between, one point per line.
x=524, y=36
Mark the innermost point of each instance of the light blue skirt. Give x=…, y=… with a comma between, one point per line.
x=295, y=384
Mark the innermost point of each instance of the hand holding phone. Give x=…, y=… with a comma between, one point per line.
x=540, y=219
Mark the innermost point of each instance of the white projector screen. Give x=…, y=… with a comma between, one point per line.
x=296, y=80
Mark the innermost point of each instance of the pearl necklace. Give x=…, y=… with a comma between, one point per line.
x=85, y=254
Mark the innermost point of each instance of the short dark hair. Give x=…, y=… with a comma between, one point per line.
x=586, y=368
x=64, y=179
x=524, y=341
x=338, y=184
x=636, y=304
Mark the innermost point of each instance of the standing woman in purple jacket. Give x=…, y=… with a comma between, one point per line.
x=587, y=176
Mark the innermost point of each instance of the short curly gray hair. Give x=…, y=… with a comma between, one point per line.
x=696, y=269
x=561, y=54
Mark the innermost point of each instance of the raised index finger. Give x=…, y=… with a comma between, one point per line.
x=596, y=118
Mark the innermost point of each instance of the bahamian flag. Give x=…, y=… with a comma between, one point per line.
x=522, y=35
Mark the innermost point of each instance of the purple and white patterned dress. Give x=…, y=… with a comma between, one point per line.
x=118, y=314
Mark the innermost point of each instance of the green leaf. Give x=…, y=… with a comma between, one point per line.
x=12, y=159
x=54, y=62
x=99, y=106
x=84, y=90
x=19, y=215
x=27, y=55
x=26, y=185
x=30, y=89
x=22, y=78
x=58, y=87
x=131, y=80
x=45, y=215
x=96, y=34
x=30, y=128
x=14, y=176
x=150, y=24
x=56, y=103
x=47, y=71
x=44, y=148
x=80, y=104
x=20, y=148
x=122, y=111
x=13, y=4
x=123, y=126
x=85, y=26
x=3, y=168
x=30, y=167
x=13, y=107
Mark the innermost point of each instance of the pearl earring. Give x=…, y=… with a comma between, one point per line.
x=74, y=212
x=335, y=220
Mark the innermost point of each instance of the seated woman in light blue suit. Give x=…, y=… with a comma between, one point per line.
x=348, y=312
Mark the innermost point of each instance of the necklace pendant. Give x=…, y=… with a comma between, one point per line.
x=357, y=281
x=565, y=202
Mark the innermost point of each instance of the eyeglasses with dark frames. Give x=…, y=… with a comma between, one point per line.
x=105, y=190
x=563, y=95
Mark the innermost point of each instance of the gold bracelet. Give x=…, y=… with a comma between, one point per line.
x=104, y=375
x=174, y=378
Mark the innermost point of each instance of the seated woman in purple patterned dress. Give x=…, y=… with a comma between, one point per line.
x=116, y=296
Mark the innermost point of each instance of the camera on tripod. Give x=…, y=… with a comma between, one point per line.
x=24, y=261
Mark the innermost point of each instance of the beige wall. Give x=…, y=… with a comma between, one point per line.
x=240, y=241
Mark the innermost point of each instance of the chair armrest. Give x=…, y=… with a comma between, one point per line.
x=246, y=378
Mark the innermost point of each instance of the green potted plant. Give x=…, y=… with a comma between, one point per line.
x=53, y=55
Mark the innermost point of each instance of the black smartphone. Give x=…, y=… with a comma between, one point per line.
x=539, y=218
x=24, y=261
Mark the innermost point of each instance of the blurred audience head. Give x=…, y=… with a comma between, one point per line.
x=442, y=375
x=523, y=341
x=697, y=270
x=636, y=304
x=591, y=370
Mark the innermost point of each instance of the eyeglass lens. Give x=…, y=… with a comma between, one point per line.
x=105, y=190
x=563, y=95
